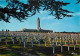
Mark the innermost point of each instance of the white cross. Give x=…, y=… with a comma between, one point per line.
x=53, y=48
x=39, y=42
x=68, y=45
x=45, y=41
x=6, y=39
x=32, y=41
x=74, y=44
x=61, y=47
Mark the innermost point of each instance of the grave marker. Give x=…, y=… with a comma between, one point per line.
x=6, y=39
x=53, y=48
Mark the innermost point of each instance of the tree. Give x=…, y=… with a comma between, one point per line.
x=6, y=30
x=2, y=30
x=22, y=11
x=78, y=1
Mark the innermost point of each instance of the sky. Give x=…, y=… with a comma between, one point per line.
x=68, y=24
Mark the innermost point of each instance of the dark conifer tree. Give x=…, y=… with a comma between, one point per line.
x=22, y=11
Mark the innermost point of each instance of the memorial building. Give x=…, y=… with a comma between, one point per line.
x=36, y=30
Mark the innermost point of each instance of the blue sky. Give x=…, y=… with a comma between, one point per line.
x=68, y=24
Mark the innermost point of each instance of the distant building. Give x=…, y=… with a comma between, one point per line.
x=36, y=30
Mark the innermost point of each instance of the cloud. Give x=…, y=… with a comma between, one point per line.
x=48, y=17
x=56, y=23
x=2, y=5
x=52, y=17
x=53, y=25
x=75, y=14
x=43, y=12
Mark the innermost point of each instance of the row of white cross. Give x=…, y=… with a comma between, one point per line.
x=54, y=38
x=66, y=38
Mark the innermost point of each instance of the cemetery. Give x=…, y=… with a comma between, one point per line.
x=39, y=28
x=39, y=44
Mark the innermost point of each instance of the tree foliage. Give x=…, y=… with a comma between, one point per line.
x=22, y=11
x=78, y=1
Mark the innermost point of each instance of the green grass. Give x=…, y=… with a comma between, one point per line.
x=16, y=47
x=7, y=52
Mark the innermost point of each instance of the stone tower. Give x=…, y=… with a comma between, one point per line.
x=38, y=24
